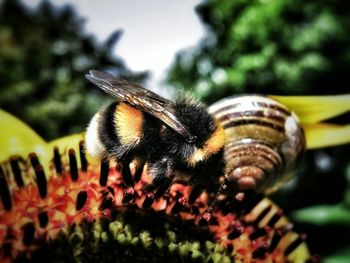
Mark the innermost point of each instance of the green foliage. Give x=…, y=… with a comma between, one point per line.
x=324, y=214
x=268, y=47
x=44, y=55
x=342, y=256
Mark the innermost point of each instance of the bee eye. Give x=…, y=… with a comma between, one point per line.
x=192, y=140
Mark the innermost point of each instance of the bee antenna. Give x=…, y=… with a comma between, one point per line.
x=207, y=216
x=223, y=187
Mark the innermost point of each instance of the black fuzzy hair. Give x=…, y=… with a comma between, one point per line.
x=194, y=115
x=107, y=128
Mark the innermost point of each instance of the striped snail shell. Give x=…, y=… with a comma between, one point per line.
x=264, y=141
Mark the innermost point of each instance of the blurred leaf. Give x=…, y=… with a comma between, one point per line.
x=44, y=55
x=323, y=214
x=269, y=47
x=341, y=256
x=347, y=190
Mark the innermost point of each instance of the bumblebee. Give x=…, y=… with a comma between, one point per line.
x=142, y=127
x=239, y=143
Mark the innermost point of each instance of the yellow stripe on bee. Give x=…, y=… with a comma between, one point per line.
x=213, y=145
x=216, y=141
x=128, y=122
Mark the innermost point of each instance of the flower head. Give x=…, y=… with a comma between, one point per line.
x=60, y=205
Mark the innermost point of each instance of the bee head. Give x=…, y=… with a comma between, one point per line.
x=192, y=140
x=207, y=136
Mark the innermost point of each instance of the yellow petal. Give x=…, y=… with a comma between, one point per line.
x=312, y=109
x=300, y=255
x=320, y=135
x=64, y=144
x=17, y=138
x=68, y=142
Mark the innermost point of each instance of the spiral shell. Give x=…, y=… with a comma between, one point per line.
x=264, y=141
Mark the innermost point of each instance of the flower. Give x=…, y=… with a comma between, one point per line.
x=58, y=205
x=313, y=110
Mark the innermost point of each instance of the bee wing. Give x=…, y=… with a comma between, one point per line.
x=140, y=98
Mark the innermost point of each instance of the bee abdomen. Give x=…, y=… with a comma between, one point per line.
x=264, y=141
x=114, y=131
x=94, y=145
x=122, y=133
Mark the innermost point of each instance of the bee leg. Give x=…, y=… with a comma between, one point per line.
x=220, y=189
x=148, y=188
x=163, y=175
x=126, y=173
x=139, y=169
x=195, y=193
x=165, y=184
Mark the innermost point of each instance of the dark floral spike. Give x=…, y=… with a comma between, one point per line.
x=34, y=160
x=259, y=233
x=260, y=251
x=262, y=215
x=41, y=180
x=73, y=166
x=275, y=218
x=28, y=233
x=83, y=161
x=39, y=174
x=16, y=171
x=43, y=219
x=292, y=246
x=57, y=160
x=276, y=238
x=278, y=235
x=5, y=192
x=81, y=199
x=236, y=232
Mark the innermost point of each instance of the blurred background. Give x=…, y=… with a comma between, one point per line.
x=212, y=48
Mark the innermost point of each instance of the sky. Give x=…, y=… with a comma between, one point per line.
x=154, y=30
